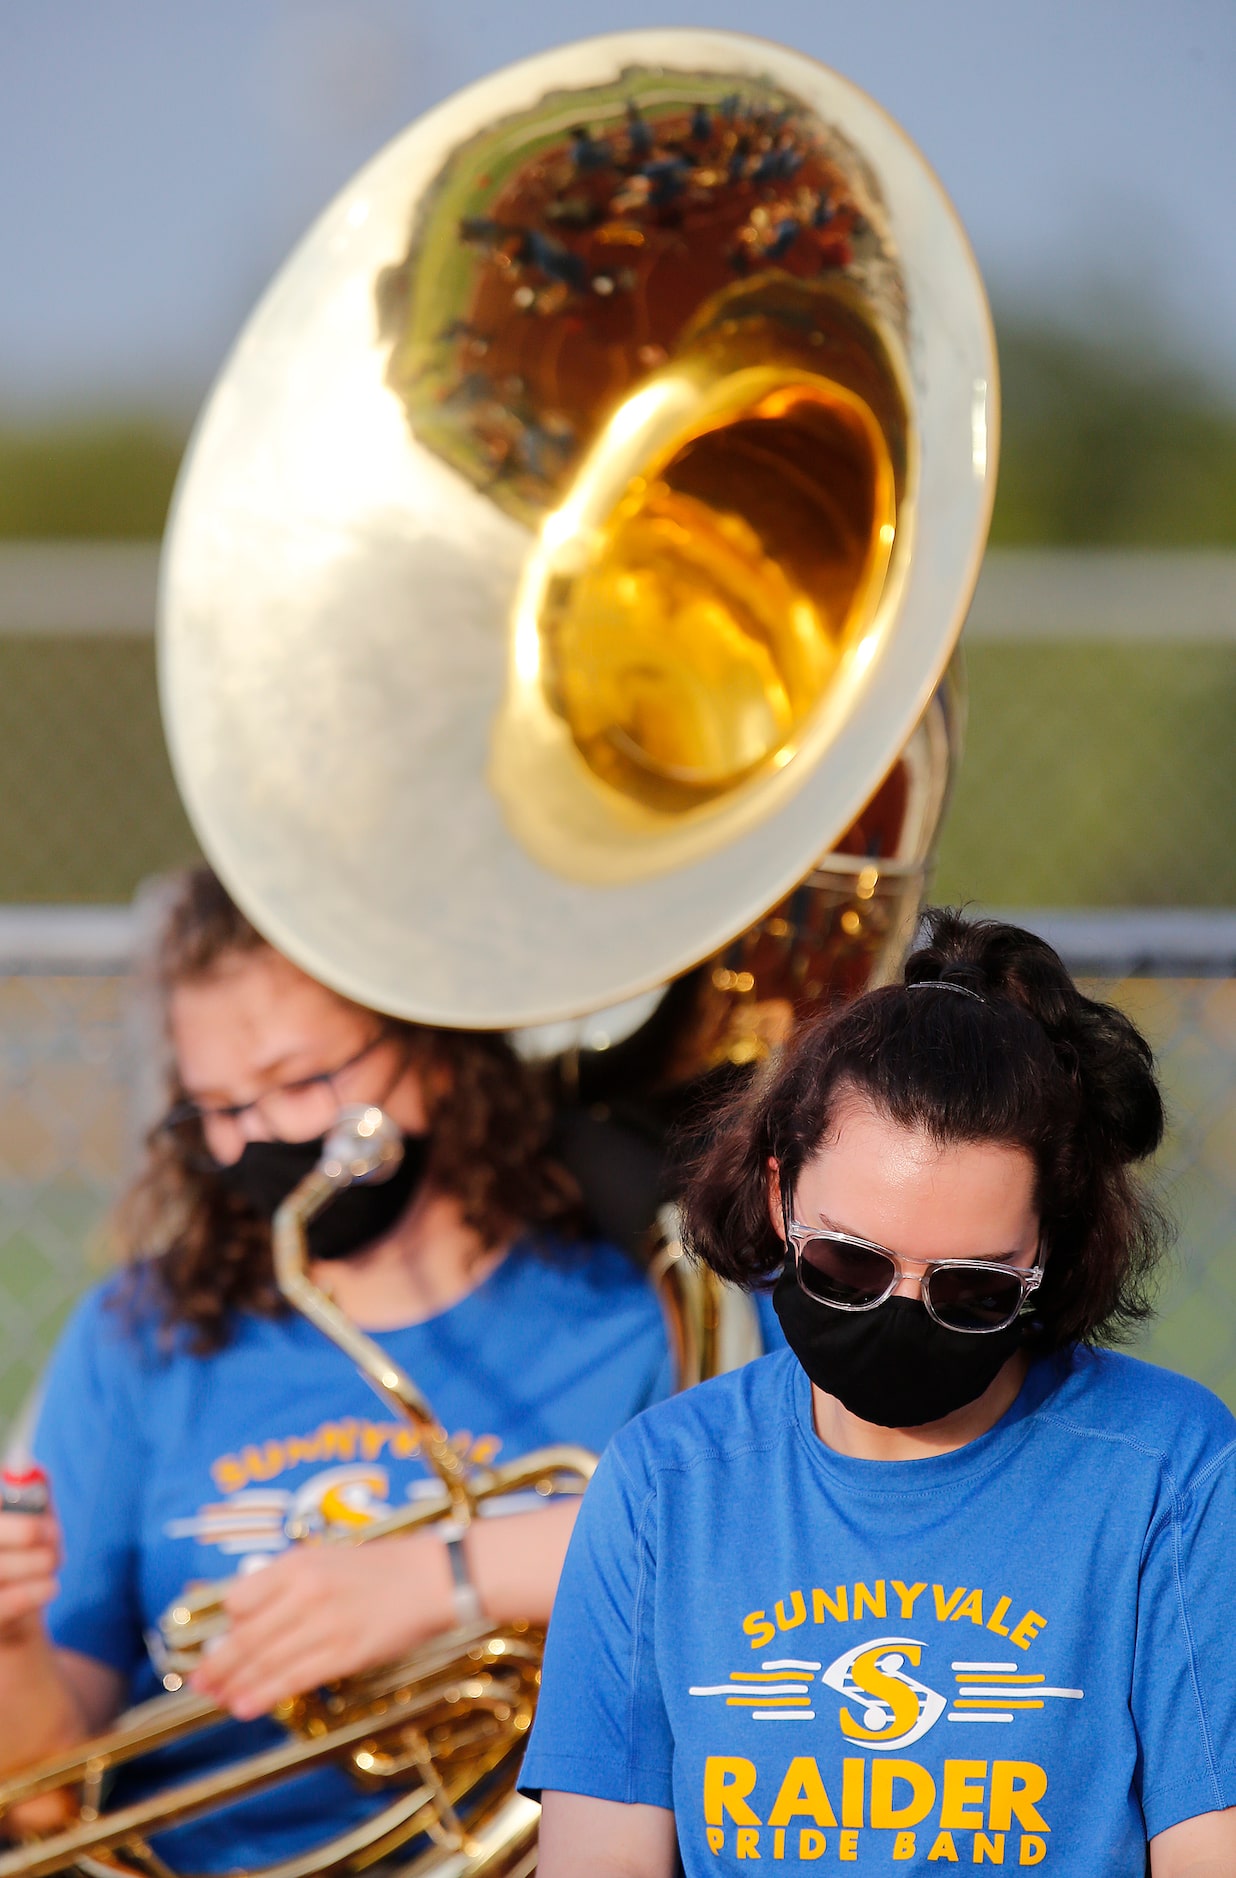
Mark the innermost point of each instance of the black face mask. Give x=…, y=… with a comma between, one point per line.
x=893, y=1365
x=268, y=1171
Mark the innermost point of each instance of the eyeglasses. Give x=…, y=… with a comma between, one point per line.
x=851, y=1274
x=292, y=1111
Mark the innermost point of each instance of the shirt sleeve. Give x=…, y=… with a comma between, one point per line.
x=88, y=1438
x=601, y=1727
x=1184, y=1674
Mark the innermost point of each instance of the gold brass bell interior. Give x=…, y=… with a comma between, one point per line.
x=714, y=451
x=701, y=633
x=696, y=601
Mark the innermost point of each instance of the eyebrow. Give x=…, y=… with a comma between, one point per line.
x=275, y=1072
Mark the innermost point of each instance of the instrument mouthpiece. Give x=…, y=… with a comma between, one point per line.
x=363, y=1145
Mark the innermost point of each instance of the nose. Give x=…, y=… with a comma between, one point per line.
x=251, y=1124
x=228, y=1135
x=909, y=1285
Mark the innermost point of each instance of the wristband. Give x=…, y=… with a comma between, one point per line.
x=463, y=1591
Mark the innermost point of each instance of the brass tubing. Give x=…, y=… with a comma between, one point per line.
x=509, y=1833
x=379, y=1370
x=382, y=1833
x=168, y=1718
x=176, y=1804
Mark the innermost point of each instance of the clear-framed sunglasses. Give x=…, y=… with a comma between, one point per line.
x=851, y=1274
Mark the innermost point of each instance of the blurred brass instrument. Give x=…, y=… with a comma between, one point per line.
x=560, y=598
x=441, y=1735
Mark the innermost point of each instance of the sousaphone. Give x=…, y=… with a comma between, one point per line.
x=580, y=531
x=559, y=598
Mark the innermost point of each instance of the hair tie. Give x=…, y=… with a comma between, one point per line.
x=945, y=984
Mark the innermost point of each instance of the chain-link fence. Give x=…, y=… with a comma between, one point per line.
x=1100, y=766
x=74, y=1063
x=66, y=1069
x=1100, y=771
x=1193, y=1026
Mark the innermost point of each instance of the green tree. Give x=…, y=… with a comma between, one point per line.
x=110, y=478
x=1106, y=445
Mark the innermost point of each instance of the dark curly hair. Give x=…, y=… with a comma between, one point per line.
x=1029, y=1062
x=200, y=1254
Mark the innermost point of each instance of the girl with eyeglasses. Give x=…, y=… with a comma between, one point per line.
x=946, y=1582
x=191, y=1427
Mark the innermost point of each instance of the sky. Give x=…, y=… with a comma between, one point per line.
x=159, y=158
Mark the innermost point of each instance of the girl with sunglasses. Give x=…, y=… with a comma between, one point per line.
x=190, y=1425
x=946, y=1582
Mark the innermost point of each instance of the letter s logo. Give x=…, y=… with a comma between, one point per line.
x=896, y=1709
x=758, y=1628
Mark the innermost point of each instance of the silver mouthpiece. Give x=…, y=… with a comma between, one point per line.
x=363, y=1145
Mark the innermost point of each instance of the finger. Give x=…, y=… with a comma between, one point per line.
x=20, y=1531
x=24, y=1600
x=275, y=1683
x=255, y=1591
x=249, y=1633
x=32, y=1562
x=50, y=1812
x=278, y=1634
x=252, y=1683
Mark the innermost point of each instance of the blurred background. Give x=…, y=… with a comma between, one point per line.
x=159, y=162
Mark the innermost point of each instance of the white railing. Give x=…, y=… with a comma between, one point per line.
x=1097, y=594
x=1116, y=942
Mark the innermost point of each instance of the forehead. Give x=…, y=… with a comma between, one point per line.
x=897, y=1186
x=253, y=1013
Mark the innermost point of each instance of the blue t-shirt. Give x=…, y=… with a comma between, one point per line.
x=169, y=1469
x=1020, y=1653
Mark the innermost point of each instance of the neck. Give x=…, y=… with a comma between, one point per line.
x=867, y=1441
x=431, y=1260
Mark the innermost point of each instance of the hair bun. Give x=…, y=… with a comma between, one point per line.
x=1098, y=1047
